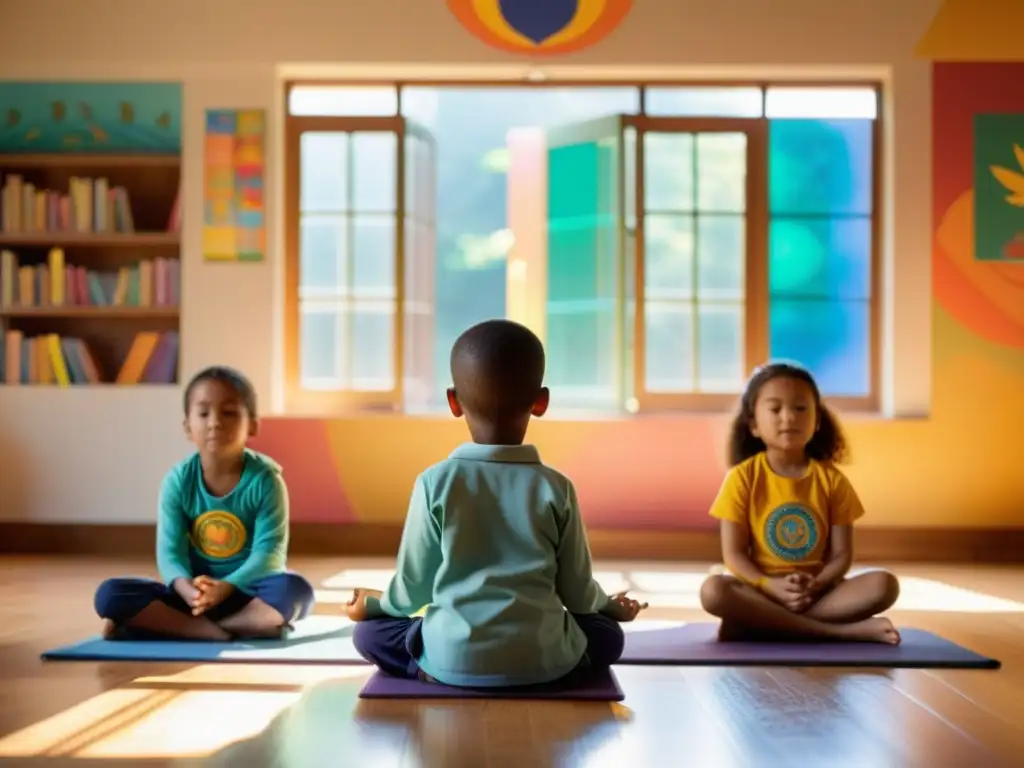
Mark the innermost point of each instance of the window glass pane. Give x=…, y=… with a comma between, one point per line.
x=319, y=349
x=720, y=348
x=373, y=368
x=582, y=360
x=668, y=256
x=426, y=183
x=469, y=190
x=721, y=257
x=668, y=356
x=323, y=168
x=629, y=175
x=829, y=338
x=373, y=261
x=321, y=249
x=703, y=102
x=820, y=258
x=821, y=102
x=343, y=100
x=722, y=172
x=375, y=172
x=820, y=167
x=419, y=178
x=668, y=171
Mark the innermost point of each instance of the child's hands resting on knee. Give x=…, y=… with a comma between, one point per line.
x=792, y=591
x=622, y=608
x=212, y=592
x=356, y=606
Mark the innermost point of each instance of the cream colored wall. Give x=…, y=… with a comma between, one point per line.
x=98, y=455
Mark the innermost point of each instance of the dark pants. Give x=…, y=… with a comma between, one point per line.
x=395, y=644
x=287, y=593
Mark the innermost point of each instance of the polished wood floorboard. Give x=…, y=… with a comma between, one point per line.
x=84, y=713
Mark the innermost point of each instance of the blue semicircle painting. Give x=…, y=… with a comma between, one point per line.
x=538, y=20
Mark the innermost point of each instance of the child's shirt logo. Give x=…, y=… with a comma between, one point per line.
x=218, y=534
x=791, y=532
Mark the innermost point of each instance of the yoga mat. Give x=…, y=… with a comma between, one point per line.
x=602, y=686
x=697, y=645
x=315, y=640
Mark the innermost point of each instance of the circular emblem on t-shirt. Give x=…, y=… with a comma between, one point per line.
x=218, y=534
x=791, y=532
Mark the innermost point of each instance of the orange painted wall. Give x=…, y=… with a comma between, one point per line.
x=959, y=467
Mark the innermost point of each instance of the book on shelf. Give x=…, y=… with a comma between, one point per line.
x=90, y=206
x=65, y=361
x=149, y=283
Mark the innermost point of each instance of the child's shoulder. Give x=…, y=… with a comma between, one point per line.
x=262, y=465
x=184, y=469
x=746, y=469
x=440, y=474
x=830, y=474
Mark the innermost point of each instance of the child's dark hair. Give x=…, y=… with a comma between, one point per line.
x=232, y=378
x=828, y=442
x=498, y=370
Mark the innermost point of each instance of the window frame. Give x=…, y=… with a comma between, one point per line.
x=309, y=402
x=757, y=300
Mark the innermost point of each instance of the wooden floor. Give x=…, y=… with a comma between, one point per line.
x=82, y=713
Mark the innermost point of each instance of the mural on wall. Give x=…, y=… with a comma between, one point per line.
x=90, y=117
x=233, y=204
x=999, y=187
x=978, y=115
x=540, y=27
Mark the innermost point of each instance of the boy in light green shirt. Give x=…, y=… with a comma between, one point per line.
x=494, y=546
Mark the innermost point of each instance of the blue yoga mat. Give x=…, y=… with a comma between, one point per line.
x=315, y=640
x=697, y=645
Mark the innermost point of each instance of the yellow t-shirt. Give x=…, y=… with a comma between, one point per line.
x=789, y=518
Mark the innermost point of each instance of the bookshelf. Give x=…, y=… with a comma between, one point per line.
x=90, y=269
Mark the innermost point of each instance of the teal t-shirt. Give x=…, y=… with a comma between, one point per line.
x=238, y=538
x=495, y=548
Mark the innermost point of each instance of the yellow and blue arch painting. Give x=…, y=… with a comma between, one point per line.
x=540, y=27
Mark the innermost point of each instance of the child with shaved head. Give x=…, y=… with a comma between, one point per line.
x=494, y=554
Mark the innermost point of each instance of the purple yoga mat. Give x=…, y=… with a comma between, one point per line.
x=602, y=686
x=697, y=645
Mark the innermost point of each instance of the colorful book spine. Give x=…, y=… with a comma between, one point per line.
x=90, y=206
x=66, y=361
x=149, y=283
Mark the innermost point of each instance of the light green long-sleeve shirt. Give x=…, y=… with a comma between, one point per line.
x=495, y=548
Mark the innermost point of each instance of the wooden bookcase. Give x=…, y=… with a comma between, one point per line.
x=152, y=185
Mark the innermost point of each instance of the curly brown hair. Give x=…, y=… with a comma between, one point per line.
x=827, y=444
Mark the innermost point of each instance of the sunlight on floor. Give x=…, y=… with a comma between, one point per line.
x=178, y=715
x=681, y=589
x=177, y=729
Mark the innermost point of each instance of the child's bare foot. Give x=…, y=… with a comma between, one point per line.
x=109, y=630
x=730, y=632
x=256, y=620
x=876, y=630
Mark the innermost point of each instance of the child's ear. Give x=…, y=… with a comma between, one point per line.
x=254, y=427
x=453, y=404
x=185, y=429
x=540, y=405
x=752, y=426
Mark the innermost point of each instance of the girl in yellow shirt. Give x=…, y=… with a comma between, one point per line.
x=787, y=516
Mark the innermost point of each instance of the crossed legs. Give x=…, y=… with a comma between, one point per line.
x=140, y=608
x=849, y=611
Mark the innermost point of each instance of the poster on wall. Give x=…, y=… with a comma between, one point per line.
x=87, y=117
x=999, y=187
x=233, y=217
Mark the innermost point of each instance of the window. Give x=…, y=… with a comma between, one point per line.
x=661, y=240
